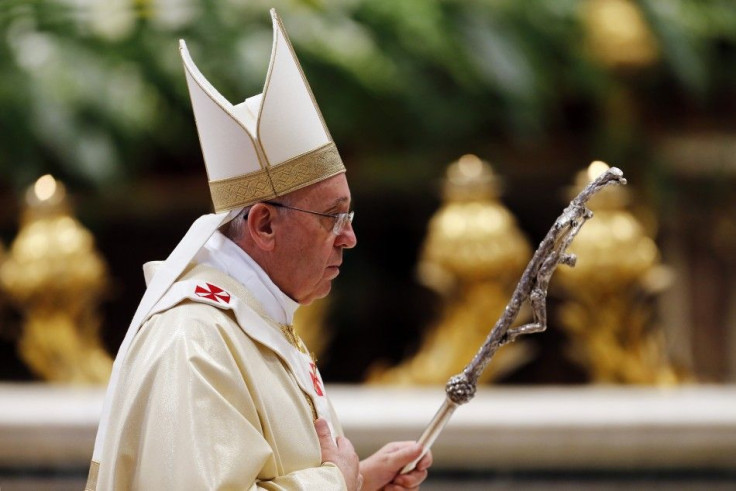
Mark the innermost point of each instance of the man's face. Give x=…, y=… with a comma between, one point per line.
x=309, y=254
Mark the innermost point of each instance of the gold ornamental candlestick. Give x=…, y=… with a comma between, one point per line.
x=471, y=257
x=609, y=314
x=53, y=274
x=617, y=34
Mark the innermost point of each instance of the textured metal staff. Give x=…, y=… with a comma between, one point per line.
x=532, y=286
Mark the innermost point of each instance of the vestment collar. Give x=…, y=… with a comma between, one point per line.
x=224, y=255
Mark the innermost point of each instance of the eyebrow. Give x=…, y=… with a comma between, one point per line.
x=338, y=202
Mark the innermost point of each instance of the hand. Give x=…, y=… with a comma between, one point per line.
x=341, y=453
x=381, y=470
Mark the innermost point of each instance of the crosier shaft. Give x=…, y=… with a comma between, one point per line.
x=432, y=431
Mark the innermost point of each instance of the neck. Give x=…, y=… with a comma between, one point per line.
x=268, y=263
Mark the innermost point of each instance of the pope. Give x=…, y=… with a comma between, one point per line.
x=212, y=387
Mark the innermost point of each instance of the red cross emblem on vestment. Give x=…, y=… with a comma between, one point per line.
x=315, y=379
x=213, y=293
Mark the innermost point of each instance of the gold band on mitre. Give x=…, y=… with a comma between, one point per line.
x=270, y=182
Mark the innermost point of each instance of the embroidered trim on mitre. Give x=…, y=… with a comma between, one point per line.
x=277, y=180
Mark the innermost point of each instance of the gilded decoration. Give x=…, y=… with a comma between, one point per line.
x=293, y=338
x=269, y=182
x=54, y=275
x=472, y=257
x=235, y=192
x=617, y=33
x=609, y=312
x=306, y=169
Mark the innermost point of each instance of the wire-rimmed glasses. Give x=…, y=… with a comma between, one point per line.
x=341, y=219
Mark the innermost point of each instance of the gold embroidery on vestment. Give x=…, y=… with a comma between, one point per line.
x=270, y=182
x=293, y=338
x=311, y=405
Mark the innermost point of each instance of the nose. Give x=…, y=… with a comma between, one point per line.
x=346, y=239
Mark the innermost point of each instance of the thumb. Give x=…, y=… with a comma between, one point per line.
x=409, y=452
x=323, y=434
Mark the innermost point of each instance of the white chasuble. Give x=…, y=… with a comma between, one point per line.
x=213, y=396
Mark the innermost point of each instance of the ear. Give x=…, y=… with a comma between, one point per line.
x=260, y=226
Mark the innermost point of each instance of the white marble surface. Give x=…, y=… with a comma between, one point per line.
x=555, y=427
x=43, y=425
x=616, y=428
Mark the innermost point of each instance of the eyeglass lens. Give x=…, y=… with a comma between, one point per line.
x=341, y=221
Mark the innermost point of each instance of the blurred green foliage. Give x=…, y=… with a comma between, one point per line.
x=93, y=91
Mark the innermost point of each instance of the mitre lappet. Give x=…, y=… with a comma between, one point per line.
x=267, y=146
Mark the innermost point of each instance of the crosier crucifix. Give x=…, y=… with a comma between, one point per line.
x=533, y=287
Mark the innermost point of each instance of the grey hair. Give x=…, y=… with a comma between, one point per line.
x=235, y=228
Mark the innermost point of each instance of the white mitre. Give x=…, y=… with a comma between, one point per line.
x=271, y=144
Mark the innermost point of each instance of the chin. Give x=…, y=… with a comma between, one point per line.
x=322, y=292
x=318, y=293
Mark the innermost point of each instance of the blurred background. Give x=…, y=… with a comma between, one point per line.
x=466, y=127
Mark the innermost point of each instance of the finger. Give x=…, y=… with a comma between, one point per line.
x=411, y=480
x=407, y=453
x=323, y=433
x=394, y=447
x=403, y=450
x=344, y=444
x=360, y=481
x=396, y=487
x=425, y=462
